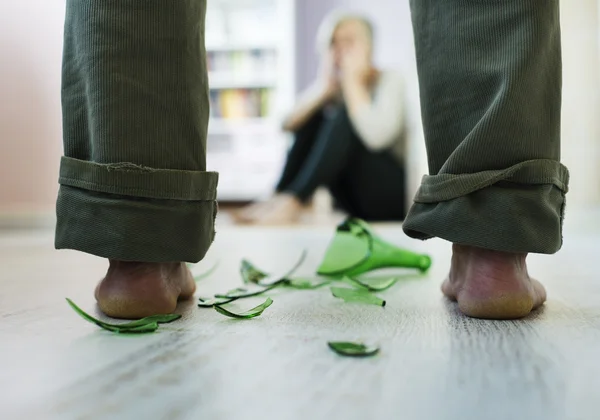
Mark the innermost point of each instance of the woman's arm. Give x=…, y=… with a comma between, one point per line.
x=311, y=101
x=322, y=91
x=377, y=118
x=357, y=93
x=379, y=121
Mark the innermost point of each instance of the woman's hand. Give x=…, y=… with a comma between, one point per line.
x=328, y=77
x=358, y=76
x=356, y=67
x=323, y=91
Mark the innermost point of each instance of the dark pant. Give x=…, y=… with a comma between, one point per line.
x=328, y=152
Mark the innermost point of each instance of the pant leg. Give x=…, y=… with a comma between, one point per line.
x=490, y=83
x=331, y=154
x=304, y=139
x=374, y=189
x=133, y=181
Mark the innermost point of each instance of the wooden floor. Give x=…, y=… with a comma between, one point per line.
x=434, y=363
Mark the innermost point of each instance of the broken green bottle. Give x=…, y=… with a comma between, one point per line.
x=356, y=249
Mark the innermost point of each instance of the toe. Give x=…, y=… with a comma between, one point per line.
x=97, y=290
x=448, y=290
x=188, y=287
x=539, y=293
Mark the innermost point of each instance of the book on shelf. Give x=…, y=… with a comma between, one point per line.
x=240, y=103
x=252, y=61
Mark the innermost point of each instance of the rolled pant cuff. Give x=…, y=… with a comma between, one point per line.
x=518, y=209
x=131, y=213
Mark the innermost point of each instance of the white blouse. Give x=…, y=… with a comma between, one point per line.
x=380, y=124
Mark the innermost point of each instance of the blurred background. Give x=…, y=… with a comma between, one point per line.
x=261, y=54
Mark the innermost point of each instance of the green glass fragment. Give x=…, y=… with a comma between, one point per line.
x=159, y=319
x=204, y=275
x=357, y=295
x=251, y=274
x=308, y=283
x=144, y=325
x=242, y=292
x=356, y=249
x=251, y=313
x=348, y=249
x=353, y=349
x=210, y=302
x=142, y=329
x=237, y=291
x=374, y=284
x=257, y=283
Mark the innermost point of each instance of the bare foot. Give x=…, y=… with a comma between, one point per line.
x=279, y=210
x=251, y=212
x=134, y=290
x=285, y=209
x=492, y=284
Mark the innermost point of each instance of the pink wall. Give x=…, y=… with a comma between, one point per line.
x=30, y=117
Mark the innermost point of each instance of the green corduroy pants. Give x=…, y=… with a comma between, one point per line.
x=133, y=181
x=490, y=83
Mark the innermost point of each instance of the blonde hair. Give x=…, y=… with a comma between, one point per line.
x=333, y=20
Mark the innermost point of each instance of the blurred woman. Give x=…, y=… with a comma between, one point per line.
x=349, y=134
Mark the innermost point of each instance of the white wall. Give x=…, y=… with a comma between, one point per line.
x=30, y=117
x=581, y=101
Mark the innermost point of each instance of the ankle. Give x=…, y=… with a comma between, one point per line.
x=140, y=269
x=484, y=272
x=471, y=254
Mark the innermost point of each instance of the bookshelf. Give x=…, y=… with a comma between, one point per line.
x=250, y=46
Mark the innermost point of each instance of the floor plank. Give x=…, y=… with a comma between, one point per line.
x=434, y=363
